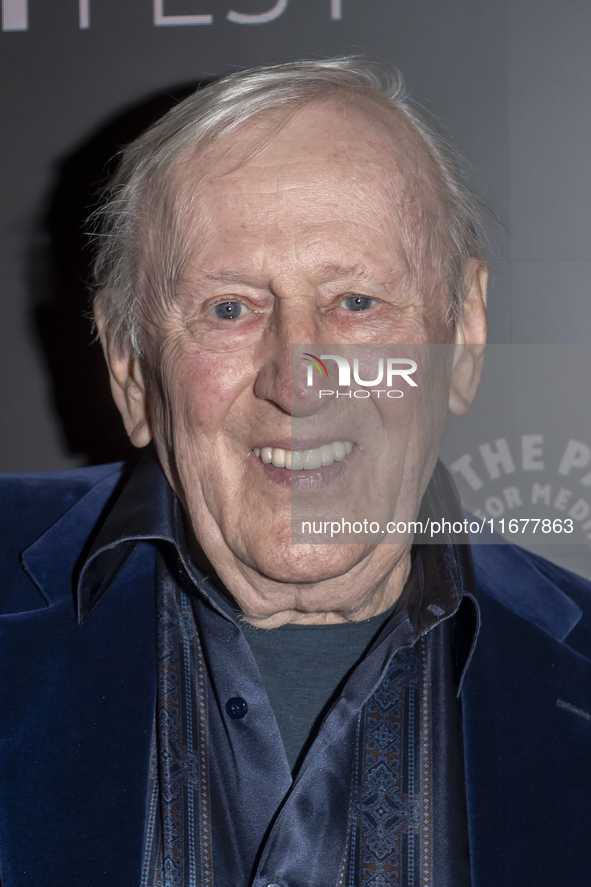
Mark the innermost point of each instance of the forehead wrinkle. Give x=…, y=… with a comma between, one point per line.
x=257, y=145
x=275, y=177
x=397, y=169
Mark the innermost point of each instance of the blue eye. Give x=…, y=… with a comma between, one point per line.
x=357, y=303
x=230, y=310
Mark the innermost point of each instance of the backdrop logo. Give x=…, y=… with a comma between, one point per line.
x=15, y=14
x=522, y=481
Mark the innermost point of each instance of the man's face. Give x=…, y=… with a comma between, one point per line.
x=296, y=238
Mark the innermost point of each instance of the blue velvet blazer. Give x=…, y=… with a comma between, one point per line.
x=77, y=705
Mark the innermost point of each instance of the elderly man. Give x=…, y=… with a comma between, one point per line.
x=190, y=694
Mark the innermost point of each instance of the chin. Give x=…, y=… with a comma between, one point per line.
x=292, y=563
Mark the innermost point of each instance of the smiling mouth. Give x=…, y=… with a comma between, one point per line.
x=298, y=460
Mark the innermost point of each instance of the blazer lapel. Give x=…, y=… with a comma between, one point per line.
x=76, y=714
x=526, y=701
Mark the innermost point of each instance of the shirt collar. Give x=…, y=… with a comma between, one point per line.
x=148, y=510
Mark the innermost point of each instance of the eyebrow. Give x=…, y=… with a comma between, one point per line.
x=325, y=270
x=360, y=272
x=226, y=276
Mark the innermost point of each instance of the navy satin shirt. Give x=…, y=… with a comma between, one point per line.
x=351, y=816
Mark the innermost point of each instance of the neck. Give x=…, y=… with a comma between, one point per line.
x=369, y=588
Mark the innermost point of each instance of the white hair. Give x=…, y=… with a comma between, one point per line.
x=138, y=219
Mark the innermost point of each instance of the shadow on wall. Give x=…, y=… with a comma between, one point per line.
x=59, y=264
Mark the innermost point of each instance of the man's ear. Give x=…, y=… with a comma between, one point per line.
x=470, y=339
x=127, y=383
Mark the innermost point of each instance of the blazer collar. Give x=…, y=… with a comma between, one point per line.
x=94, y=539
x=146, y=510
x=53, y=558
x=512, y=576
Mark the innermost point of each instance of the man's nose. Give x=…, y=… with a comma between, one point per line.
x=283, y=378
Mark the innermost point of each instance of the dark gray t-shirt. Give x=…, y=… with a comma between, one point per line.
x=303, y=668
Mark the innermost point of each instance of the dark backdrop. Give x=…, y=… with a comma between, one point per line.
x=508, y=81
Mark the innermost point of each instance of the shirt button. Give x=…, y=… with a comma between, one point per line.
x=236, y=707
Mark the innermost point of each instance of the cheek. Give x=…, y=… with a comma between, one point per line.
x=200, y=391
x=414, y=423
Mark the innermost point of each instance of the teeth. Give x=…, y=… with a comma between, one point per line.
x=312, y=458
x=326, y=454
x=339, y=451
x=278, y=458
x=296, y=460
